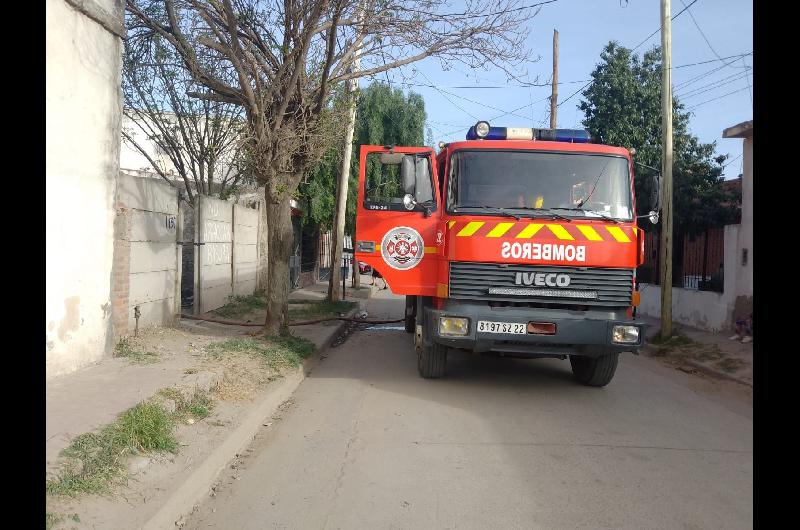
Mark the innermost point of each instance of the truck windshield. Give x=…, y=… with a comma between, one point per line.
x=574, y=185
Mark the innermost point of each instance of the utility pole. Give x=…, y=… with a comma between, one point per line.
x=554, y=89
x=666, y=170
x=337, y=243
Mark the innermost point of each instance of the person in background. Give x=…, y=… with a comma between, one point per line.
x=744, y=329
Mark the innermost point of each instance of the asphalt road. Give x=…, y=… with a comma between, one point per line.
x=498, y=443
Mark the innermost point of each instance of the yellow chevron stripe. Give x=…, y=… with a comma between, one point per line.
x=618, y=234
x=430, y=250
x=450, y=224
x=635, y=231
x=471, y=228
x=500, y=229
x=560, y=232
x=590, y=233
x=529, y=231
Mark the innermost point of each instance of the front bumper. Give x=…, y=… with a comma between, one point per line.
x=585, y=333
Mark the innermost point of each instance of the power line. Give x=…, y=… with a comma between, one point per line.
x=748, y=83
x=716, y=98
x=712, y=86
x=659, y=28
x=732, y=160
x=698, y=77
x=706, y=38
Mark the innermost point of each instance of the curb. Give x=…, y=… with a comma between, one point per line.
x=650, y=350
x=196, y=487
x=717, y=373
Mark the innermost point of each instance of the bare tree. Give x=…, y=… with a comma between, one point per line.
x=281, y=60
x=201, y=138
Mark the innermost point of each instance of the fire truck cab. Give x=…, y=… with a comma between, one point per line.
x=517, y=242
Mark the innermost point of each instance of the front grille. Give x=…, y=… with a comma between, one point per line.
x=469, y=280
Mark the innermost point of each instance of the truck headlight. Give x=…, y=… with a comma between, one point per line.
x=453, y=326
x=625, y=334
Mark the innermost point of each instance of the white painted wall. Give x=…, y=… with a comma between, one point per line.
x=83, y=101
x=700, y=309
x=744, y=274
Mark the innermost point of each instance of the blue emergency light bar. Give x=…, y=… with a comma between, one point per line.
x=482, y=131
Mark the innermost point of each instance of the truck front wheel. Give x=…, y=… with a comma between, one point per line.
x=594, y=371
x=432, y=360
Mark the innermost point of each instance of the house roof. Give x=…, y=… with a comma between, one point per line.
x=741, y=130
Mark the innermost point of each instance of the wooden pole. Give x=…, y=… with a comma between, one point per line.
x=666, y=190
x=554, y=88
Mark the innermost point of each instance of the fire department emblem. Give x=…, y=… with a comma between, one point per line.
x=402, y=248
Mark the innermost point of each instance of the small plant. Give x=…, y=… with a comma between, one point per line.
x=125, y=349
x=672, y=341
x=94, y=461
x=51, y=520
x=277, y=351
x=320, y=309
x=240, y=305
x=197, y=405
x=729, y=364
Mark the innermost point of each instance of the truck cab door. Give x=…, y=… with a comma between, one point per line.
x=397, y=217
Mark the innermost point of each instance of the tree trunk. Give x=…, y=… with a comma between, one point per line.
x=280, y=235
x=263, y=247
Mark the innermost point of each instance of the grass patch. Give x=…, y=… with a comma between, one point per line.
x=126, y=349
x=197, y=405
x=241, y=305
x=277, y=352
x=51, y=520
x=729, y=364
x=320, y=309
x=676, y=340
x=95, y=461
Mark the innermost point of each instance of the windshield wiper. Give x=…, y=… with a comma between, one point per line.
x=500, y=211
x=545, y=211
x=584, y=210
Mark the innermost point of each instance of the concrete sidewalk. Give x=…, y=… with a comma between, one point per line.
x=94, y=396
x=735, y=363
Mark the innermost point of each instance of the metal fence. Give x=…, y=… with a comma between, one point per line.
x=697, y=260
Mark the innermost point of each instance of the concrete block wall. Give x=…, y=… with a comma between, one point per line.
x=150, y=210
x=215, y=236
x=245, y=250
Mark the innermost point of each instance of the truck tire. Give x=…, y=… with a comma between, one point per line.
x=598, y=371
x=432, y=361
x=411, y=313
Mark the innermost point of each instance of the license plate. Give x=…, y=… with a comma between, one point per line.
x=487, y=326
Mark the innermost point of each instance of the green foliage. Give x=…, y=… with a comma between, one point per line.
x=277, y=351
x=96, y=460
x=383, y=116
x=320, y=308
x=622, y=107
x=240, y=305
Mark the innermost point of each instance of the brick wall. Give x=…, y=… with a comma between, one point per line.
x=121, y=271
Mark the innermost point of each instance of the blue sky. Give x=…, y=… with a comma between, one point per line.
x=584, y=27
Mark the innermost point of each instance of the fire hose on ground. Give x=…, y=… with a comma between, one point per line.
x=301, y=323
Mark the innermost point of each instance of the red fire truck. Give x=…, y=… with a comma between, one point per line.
x=517, y=242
